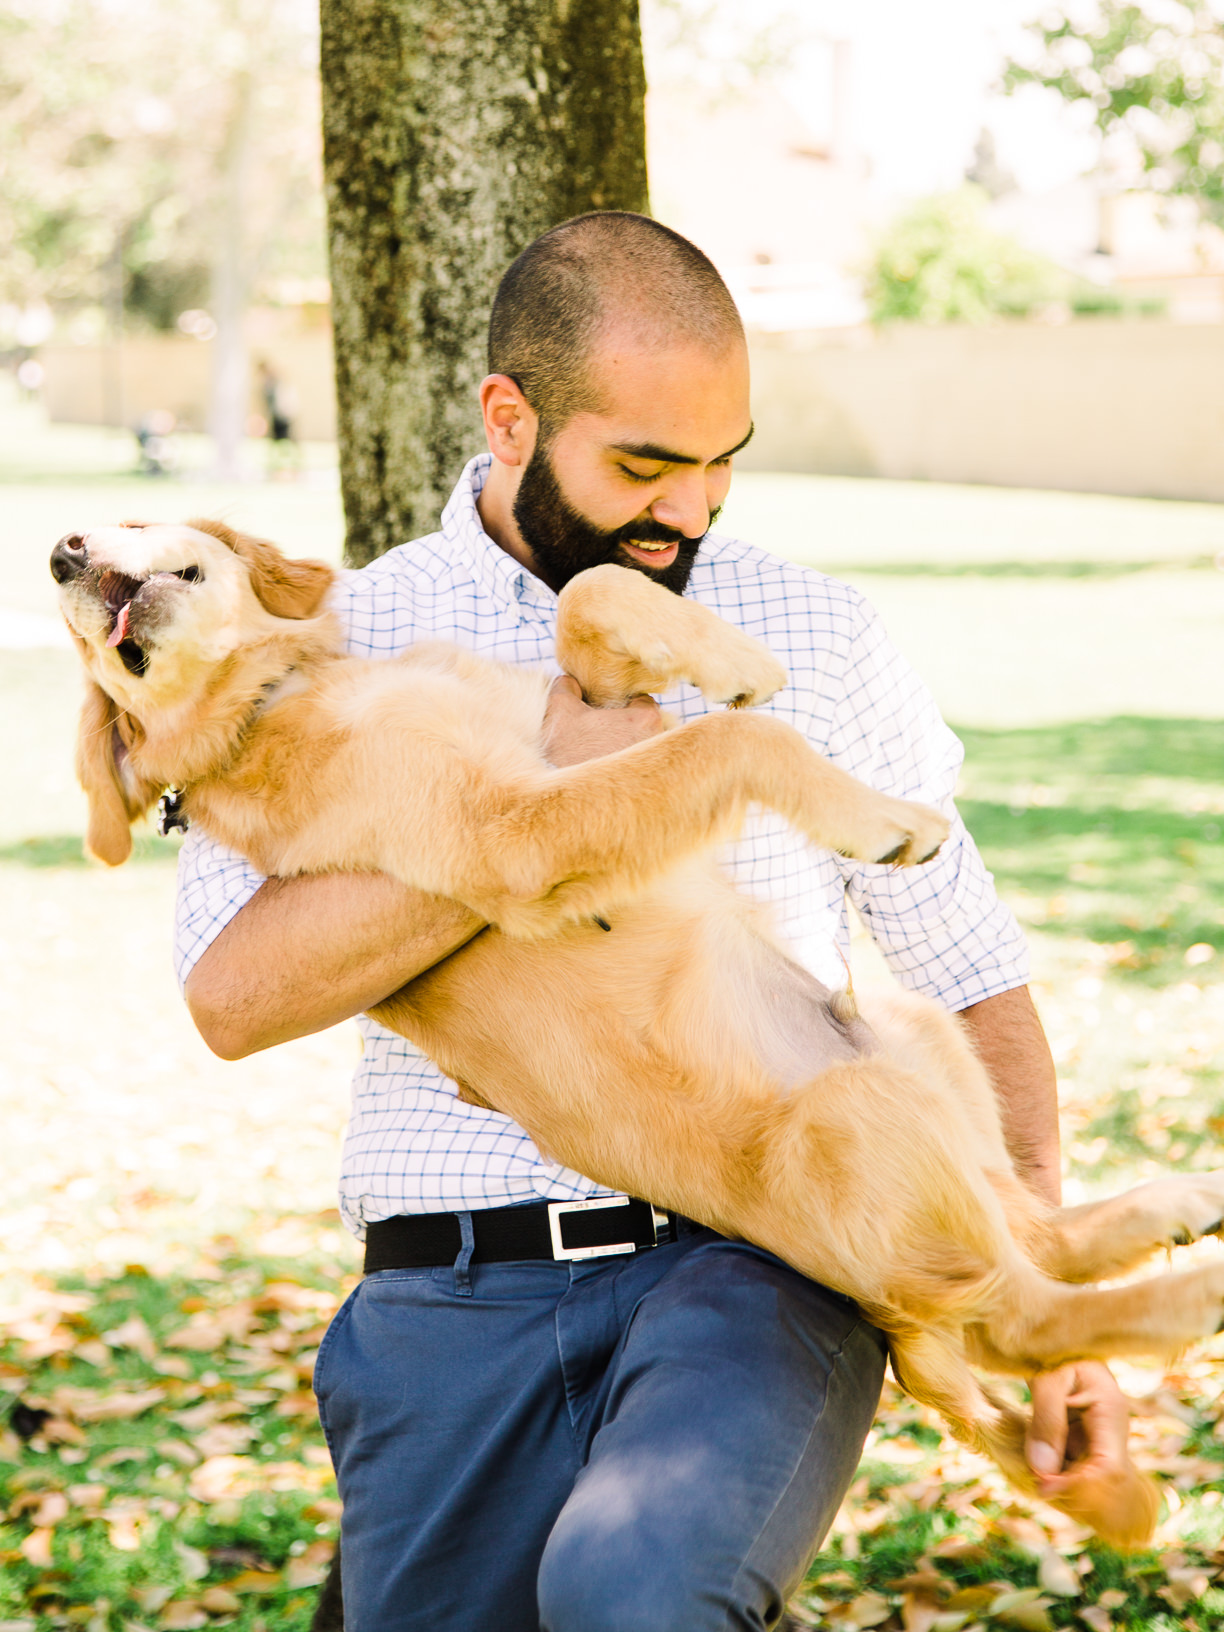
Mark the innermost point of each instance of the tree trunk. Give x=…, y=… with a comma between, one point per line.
x=454, y=132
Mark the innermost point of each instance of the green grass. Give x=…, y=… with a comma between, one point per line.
x=1108, y=831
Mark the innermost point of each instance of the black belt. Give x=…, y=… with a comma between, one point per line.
x=561, y=1230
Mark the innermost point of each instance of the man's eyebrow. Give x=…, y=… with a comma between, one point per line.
x=667, y=456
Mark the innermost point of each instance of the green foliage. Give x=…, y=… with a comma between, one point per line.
x=1152, y=75
x=942, y=263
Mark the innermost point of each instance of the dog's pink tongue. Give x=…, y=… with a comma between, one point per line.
x=120, y=629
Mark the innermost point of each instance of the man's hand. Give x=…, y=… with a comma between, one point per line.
x=1077, y=1449
x=574, y=732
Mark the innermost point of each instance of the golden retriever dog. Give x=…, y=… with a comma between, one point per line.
x=684, y=1056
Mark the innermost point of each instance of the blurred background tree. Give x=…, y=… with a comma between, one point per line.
x=155, y=160
x=941, y=262
x=1152, y=75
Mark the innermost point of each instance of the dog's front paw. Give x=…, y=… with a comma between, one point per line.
x=899, y=833
x=731, y=667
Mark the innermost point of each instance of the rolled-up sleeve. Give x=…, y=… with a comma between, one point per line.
x=214, y=883
x=941, y=927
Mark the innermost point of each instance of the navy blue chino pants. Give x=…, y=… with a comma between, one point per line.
x=653, y=1443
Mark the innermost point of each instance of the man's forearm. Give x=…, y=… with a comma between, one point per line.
x=1012, y=1046
x=306, y=953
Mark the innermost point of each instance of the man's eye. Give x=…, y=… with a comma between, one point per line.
x=636, y=476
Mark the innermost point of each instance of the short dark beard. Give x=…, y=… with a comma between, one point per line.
x=563, y=542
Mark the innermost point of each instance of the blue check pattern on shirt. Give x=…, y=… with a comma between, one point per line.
x=412, y=1145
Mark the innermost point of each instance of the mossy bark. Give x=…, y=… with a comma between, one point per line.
x=455, y=132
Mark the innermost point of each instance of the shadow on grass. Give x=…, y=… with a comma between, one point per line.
x=67, y=850
x=1112, y=831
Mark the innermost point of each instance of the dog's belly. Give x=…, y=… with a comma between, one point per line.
x=650, y=1050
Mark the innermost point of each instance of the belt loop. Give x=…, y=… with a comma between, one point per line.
x=463, y=1264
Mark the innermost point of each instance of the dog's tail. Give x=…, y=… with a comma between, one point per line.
x=1121, y=1505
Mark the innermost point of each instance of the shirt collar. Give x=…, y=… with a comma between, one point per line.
x=497, y=573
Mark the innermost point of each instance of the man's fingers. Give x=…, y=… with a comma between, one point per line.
x=1046, y=1442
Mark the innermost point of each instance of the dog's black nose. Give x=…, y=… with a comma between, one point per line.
x=69, y=558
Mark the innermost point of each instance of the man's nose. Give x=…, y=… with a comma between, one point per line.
x=685, y=508
x=69, y=558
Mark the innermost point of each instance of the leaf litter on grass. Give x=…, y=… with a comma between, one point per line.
x=161, y=1460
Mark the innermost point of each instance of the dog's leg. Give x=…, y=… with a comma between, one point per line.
x=1122, y=1508
x=619, y=635
x=1036, y=1323
x=1102, y=1239
x=565, y=847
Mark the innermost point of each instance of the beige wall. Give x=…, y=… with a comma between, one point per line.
x=109, y=385
x=1098, y=406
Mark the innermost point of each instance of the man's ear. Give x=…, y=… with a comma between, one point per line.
x=116, y=799
x=285, y=587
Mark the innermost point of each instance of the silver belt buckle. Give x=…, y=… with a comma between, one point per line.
x=566, y=1254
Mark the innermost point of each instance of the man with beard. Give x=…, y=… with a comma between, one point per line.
x=654, y=1438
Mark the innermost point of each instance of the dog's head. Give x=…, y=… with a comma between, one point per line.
x=155, y=609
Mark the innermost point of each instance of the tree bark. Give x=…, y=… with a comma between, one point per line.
x=454, y=132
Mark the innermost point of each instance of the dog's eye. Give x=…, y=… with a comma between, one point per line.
x=190, y=575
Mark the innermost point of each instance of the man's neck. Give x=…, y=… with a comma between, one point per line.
x=495, y=507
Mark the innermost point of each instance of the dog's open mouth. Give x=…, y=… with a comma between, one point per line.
x=117, y=592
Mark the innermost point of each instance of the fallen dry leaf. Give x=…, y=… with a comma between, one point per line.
x=207, y=1413
x=178, y=1450
x=225, y=1439
x=974, y=1600
x=36, y=1549
x=919, y=1611
x=206, y=1331
x=220, y=1601
x=1023, y=1609
x=1185, y=1586
x=133, y=1334
x=183, y=1615
x=1095, y=1617
x=87, y=1406
x=309, y=1568
x=1057, y=1576
x=51, y=1510
x=255, y=1581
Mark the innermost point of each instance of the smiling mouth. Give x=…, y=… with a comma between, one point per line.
x=651, y=547
x=117, y=592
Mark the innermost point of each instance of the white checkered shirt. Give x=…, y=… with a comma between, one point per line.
x=412, y=1145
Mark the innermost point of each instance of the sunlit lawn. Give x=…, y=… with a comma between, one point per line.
x=178, y=1478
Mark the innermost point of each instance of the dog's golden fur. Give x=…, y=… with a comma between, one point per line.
x=684, y=1056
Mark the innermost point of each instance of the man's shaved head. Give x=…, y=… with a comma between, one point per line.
x=583, y=280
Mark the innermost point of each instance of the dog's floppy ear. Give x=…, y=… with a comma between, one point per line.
x=116, y=798
x=286, y=587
